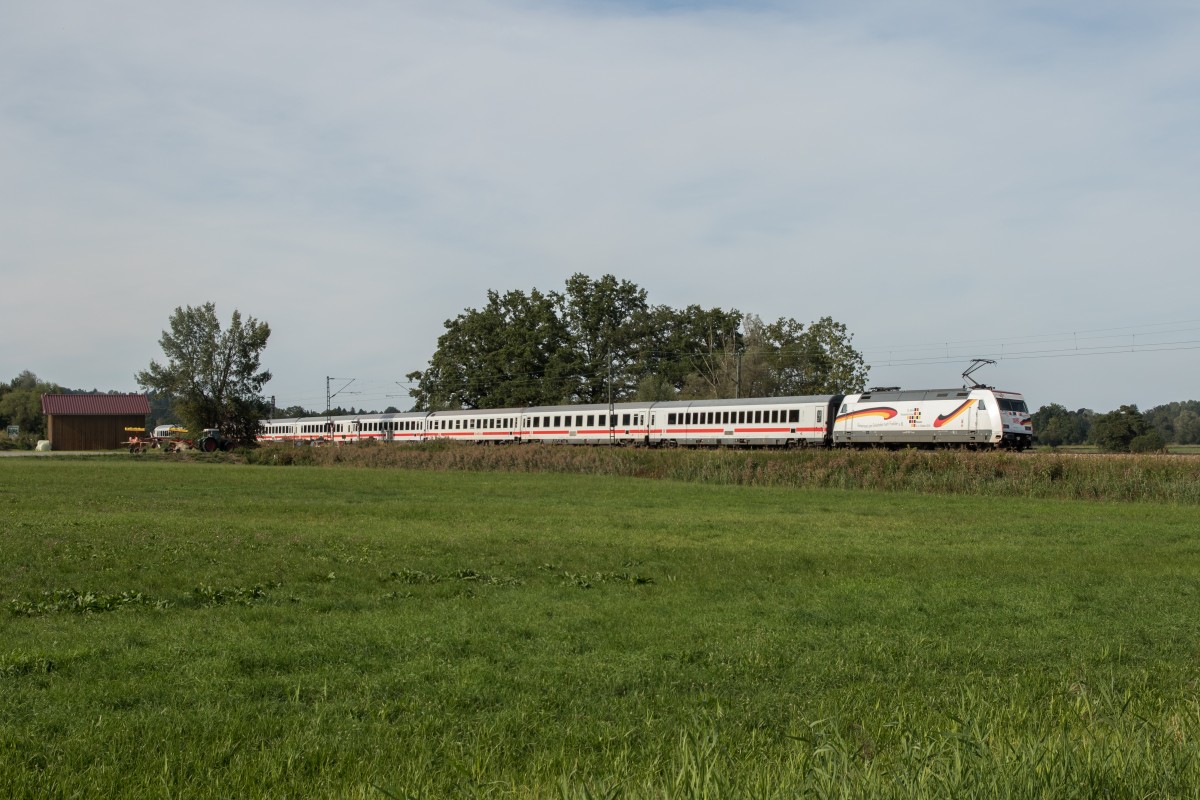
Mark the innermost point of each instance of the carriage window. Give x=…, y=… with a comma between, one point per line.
x=820, y=415
x=670, y=419
x=591, y=419
x=794, y=415
x=775, y=415
x=537, y=421
x=624, y=419
x=757, y=417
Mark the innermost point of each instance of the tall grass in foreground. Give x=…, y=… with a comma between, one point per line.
x=192, y=629
x=1153, y=478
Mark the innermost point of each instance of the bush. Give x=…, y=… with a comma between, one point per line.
x=25, y=441
x=1114, y=432
x=1151, y=442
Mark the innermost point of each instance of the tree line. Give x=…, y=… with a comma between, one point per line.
x=601, y=340
x=1123, y=430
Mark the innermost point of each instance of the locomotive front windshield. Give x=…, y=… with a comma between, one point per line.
x=1013, y=405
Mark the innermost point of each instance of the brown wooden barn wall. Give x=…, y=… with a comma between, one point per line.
x=69, y=432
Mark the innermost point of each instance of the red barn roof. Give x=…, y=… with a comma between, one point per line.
x=95, y=404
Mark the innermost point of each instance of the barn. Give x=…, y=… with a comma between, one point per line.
x=93, y=421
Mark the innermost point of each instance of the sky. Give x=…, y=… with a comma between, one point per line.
x=951, y=179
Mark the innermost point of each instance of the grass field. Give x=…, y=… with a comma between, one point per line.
x=178, y=629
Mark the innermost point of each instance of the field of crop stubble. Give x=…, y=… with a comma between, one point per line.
x=197, y=629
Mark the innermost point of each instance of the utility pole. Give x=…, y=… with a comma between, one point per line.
x=329, y=399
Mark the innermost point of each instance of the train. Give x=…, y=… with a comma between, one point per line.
x=977, y=418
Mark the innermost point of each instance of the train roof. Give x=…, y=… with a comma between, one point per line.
x=470, y=412
x=789, y=400
x=593, y=407
x=928, y=394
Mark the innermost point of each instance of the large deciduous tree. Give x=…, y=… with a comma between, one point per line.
x=513, y=352
x=214, y=375
x=606, y=321
x=782, y=358
x=600, y=338
x=1116, y=431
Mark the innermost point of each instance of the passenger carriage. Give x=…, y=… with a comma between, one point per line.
x=493, y=425
x=622, y=424
x=750, y=422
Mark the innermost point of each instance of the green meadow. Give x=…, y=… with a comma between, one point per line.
x=176, y=628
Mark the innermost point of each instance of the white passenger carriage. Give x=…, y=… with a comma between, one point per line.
x=749, y=422
x=278, y=430
x=492, y=425
x=378, y=428
x=622, y=424
x=406, y=427
x=975, y=418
